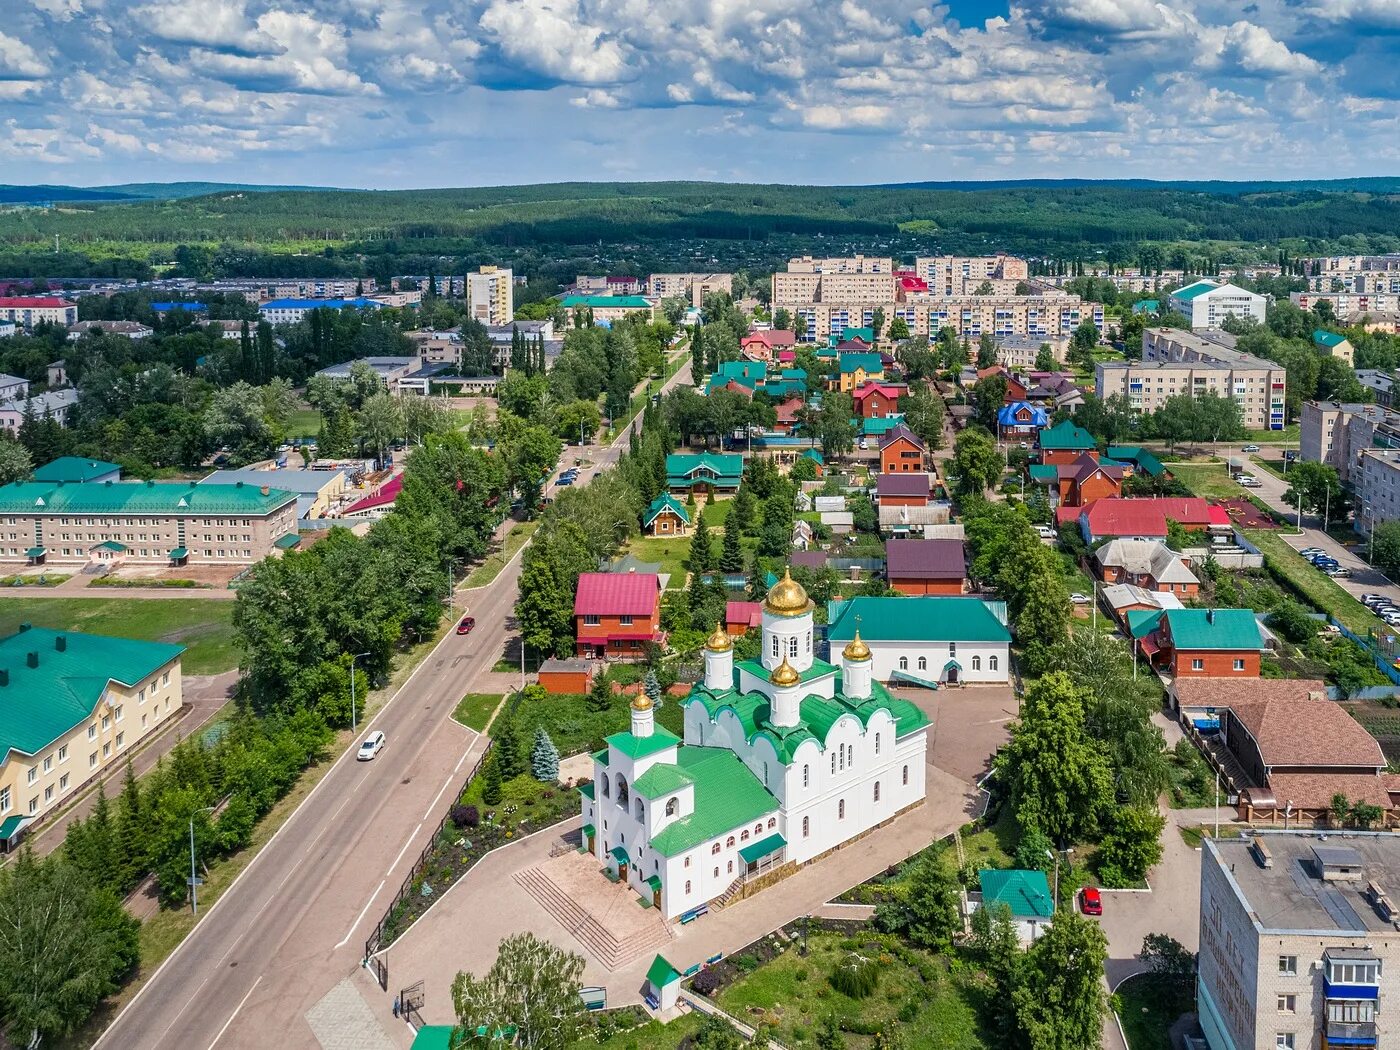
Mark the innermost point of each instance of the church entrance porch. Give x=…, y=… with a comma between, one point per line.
x=952, y=672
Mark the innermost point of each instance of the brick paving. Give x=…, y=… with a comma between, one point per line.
x=342, y=1020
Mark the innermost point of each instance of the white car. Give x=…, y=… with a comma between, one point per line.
x=1079, y=599
x=1249, y=481
x=373, y=744
x=1250, y=448
x=1045, y=532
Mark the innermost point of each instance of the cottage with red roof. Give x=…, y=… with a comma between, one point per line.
x=936, y=566
x=742, y=617
x=617, y=614
x=901, y=452
x=878, y=400
x=761, y=346
x=1016, y=390
x=787, y=410
x=1142, y=519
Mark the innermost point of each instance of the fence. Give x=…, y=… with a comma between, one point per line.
x=1369, y=643
x=376, y=942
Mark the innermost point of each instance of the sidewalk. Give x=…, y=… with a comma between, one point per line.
x=80, y=586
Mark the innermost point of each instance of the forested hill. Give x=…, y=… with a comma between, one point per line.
x=128, y=191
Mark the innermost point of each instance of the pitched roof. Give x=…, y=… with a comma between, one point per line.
x=1189, y=510
x=727, y=795
x=1328, y=339
x=770, y=338
x=1121, y=595
x=1198, y=288
x=1086, y=466
x=685, y=464
x=140, y=497
x=1214, y=629
x=1145, y=557
x=662, y=503
x=40, y=704
x=595, y=302
x=901, y=431
x=869, y=363
x=661, y=779
x=1026, y=893
x=1139, y=457
x=890, y=390
x=915, y=483
x=1036, y=417
x=641, y=746
x=1115, y=516
x=1315, y=790
x=1065, y=435
x=750, y=614
x=925, y=618
x=925, y=560
x=616, y=594
x=1307, y=733
x=31, y=302
x=661, y=973
x=74, y=468
x=1225, y=692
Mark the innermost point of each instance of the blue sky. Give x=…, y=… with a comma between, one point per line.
x=405, y=93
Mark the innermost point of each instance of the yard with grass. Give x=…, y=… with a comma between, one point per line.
x=989, y=847
x=1207, y=479
x=475, y=710
x=204, y=627
x=651, y=1036
x=489, y=569
x=1148, y=1007
x=575, y=728
x=918, y=994
x=1318, y=589
x=306, y=422
x=670, y=552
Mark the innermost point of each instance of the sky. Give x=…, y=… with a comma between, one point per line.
x=390, y=94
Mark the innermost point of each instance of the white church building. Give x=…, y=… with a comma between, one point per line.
x=784, y=759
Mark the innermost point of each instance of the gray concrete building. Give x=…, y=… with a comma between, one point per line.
x=1335, y=433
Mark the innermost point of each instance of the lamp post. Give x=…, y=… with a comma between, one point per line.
x=194, y=879
x=1055, y=856
x=353, y=722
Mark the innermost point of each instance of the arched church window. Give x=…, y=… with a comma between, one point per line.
x=977, y=663
x=673, y=806
x=992, y=663
x=904, y=663
x=923, y=663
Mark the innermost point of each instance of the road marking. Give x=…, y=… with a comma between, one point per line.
x=433, y=804
x=241, y=1002
x=358, y=917
x=394, y=863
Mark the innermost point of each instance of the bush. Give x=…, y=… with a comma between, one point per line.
x=466, y=816
x=856, y=976
x=706, y=983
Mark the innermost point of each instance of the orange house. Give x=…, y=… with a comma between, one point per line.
x=566, y=676
x=901, y=452
x=878, y=400
x=1086, y=480
x=1206, y=643
x=1064, y=443
x=616, y=614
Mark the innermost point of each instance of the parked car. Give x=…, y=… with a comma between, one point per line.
x=1090, y=901
x=465, y=627
x=1306, y=551
x=1079, y=599
x=1250, y=448
x=564, y=483
x=1249, y=481
x=373, y=744
x=1372, y=599
x=1045, y=532
x=1338, y=572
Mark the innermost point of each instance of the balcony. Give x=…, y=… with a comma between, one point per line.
x=1350, y=1033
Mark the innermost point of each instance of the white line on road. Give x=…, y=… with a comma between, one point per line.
x=241, y=1002
x=351, y=930
x=433, y=804
x=394, y=863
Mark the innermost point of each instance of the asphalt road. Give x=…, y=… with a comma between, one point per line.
x=293, y=925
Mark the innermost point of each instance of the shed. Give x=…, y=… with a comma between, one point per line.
x=566, y=676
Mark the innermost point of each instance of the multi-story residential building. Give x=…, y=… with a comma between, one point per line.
x=1048, y=318
x=290, y=311
x=1176, y=362
x=1298, y=943
x=1380, y=384
x=1335, y=433
x=144, y=521
x=1208, y=303
x=1350, y=306
x=690, y=286
x=1375, y=474
x=12, y=387
x=491, y=295
x=29, y=310
x=1354, y=273
x=858, y=279
x=133, y=330
x=52, y=404
x=8, y=329
x=961, y=275
x=76, y=705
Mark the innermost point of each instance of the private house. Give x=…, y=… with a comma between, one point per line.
x=1016, y=388
x=789, y=411
x=1148, y=564
x=1334, y=345
x=856, y=368
x=903, y=490
x=1205, y=643
x=74, y=470
x=616, y=615
x=744, y=377
x=666, y=516
x=1064, y=443
x=877, y=427
x=76, y=705
x=877, y=400
x=901, y=452
x=1087, y=480
x=1127, y=601
x=704, y=472
x=1019, y=420
x=783, y=759
x=1139, y=459
x=933, y=566
x=133, y=330
x=934, y=638
x=765, y=345
x=572, y=676
x=1147, y=518
x=1025, y=894
x=742, y=617
x=930, y=520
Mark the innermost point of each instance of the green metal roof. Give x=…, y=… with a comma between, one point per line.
x=925, y=618
x=760, y=849
x=1044, y=474
x=601, y=756
x=1228, y=629
x=587, y=790
x=1192, y=290
x=588, y=829
x=869, y=363
x=40, y=704
x=34, y=552
x=641, y=746
x=288, y=542
x=74, y=469
x=867, y=333
x=661, y=779
x=654, y=881
x=1140, y=458
x=139, y=497
x=684, y=464
x=179, y=552
x=1065, y=436
x=878, y=426
x=727, y=796
x=1026, y=893
x=434, y=1037
x=111, y=545
x=661, y=973
x=819, y=669
x=9, y=826
x=813, y=455
x=619, y=854
x=1323, y=338
x=630, y=302
x=1142, y=622
x=666, y=502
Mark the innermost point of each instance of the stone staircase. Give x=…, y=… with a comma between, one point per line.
x=601, y=942
x=728, y=895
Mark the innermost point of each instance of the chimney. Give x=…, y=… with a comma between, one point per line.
x=32, y=659
x=265, y=490
x=61, y=643
x=25, y=626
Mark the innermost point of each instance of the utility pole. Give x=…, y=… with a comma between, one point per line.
x=353, y=722
x=194, y=878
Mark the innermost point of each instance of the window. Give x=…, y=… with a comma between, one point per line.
x=48, y=793
x=63, y=753
x=1287, y=1004
x=4, y=800
x=775, y=647
x=687, y=887
x=641, y=813
x=48, y=763
x=106, y=750
x=923, y=663
x=1198, y=665
x=1239, y=665
x=952, y=648
x=806, y=826
x=119, y=740
x=851, y=755
x=792, y=646
x=1288, y=965
x=141, y=697
x=877, y=791
x=1349, y=1011
x=33, y=774
x=731, y=867
x=877, y=743
x=1284, y=1041
x=716, y=872
x=1352, y=972
x=673, y=806
x=714, y=849
x=833, y=763
x=591, y=621
x=106, y=721
x=624, y=621
x=806, y=776
x=165, y=679
x=729, y=842
x=772, y=823
x=841, y=809
x=991, y=663
x=744, y=835
x=63, y=782
x=977, y=663
x=904, y=663
x=906, y=776
x=606, y=792
x=92, y=760
x=34, y=805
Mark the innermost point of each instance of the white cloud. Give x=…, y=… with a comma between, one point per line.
x=18, y=59
x=219, y=24
x=1253, y=49
x=551, y=37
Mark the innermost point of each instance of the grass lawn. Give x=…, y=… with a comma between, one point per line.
x=1322, y=591
x=204, y=627
x=1147, y=1010
x=916, y=995
x=670, y=552
x=1207, y=479
x=575, y=729
x=492, y=566
x=475, y=710
x=1273, y=466
x=716, y=512
x=994, y=846
x=1288, y=435
x=306, y=422
x=651, y=1036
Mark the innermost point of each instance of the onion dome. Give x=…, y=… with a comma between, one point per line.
x=784, y=675
x=856, y=649
x=719, y=641
x=641, y=702
x=787, y=597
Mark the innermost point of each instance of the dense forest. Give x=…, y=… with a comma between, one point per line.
x=693, y=224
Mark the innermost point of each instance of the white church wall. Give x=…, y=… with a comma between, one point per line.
x=975, y=659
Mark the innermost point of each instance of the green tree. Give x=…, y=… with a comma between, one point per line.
x=1385, y=547
x=600, y=694
x=1058, y=1000
x=923, y=414
x=1291, y=620
x=544, y=758
x=15, y=462
x=702, y=554
x=491, y=782
x=899, y=329
x=742, y=513
x=1045, y=359
x=986, y=351
x=988, y=396
x=1319, y=488
x=1132, y=845
x=731, y=558
x=1170, y=960
x=976, y=462
x=531, y=989
x=509, y=759
x=805, y=469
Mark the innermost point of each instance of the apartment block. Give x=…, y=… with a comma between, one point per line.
x=1298, y=941
x=1375, y=477
x=856, y=279
x=1336, y=433
x=29, y=310
x=692, y=287
x=1045, y=318
x=491, y=295
x=1208, y=303
x=1350, y=306
x=1354, y=273
x=961, y=275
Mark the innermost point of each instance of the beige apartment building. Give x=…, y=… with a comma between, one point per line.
x=76, y=705
x=857, y=279
x=1350, y=306
x=1375, y=477
x=1335, y=433
x=144, y=521
x=692, y=287
x=491, y=295
x=1051, y=318
x=962, y=274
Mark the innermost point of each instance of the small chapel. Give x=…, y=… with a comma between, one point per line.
x=783, y=759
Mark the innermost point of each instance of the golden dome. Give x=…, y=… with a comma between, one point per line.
x=785, y=675
x=641, y=702
x=856, y=649
x=786, y=597
x=719, y=641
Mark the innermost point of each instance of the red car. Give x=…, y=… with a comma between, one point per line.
x=1090, y=903
x=465, y=627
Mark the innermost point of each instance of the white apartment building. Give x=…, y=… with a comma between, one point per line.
x=692, y=287
x=1208, y=303
x=29, y=310
x=1051, y=318
x=1298, y=944
x=491, y=295
x=1350, y=306
x=1376, y=477
x=962, y=274
x=1335, y=433
x=1370, y=274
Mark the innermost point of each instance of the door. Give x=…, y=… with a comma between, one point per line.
x=952, y=676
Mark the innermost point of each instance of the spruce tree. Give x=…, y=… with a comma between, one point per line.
x=600, y=694
x=731, y=559
x=702, y=554
x=132, y=830
x=544, y=758
x=491, y=781
x=741, y=514
x=507, y=751
x=652, y=685
x=697, y=359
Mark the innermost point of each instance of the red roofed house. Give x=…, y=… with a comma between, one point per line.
x=787, y=414
x=1140, y=519
x=761, y=345
x=616, y=614
x=1015, y=389
x=903, y=490
x=936, y=566
x=28, y=310
x=878, y=400
x=742, y=617
x=1086, y=480
x=1192, y=511
x=901, y=452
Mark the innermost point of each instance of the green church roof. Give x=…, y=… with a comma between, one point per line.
x=727, y=796
x=641, y=746
x=925, y=618
x=661, y=779
x=661, y=973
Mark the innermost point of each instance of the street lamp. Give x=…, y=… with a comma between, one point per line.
x=194, y=879
x=1055, y=856
x=353, y=722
